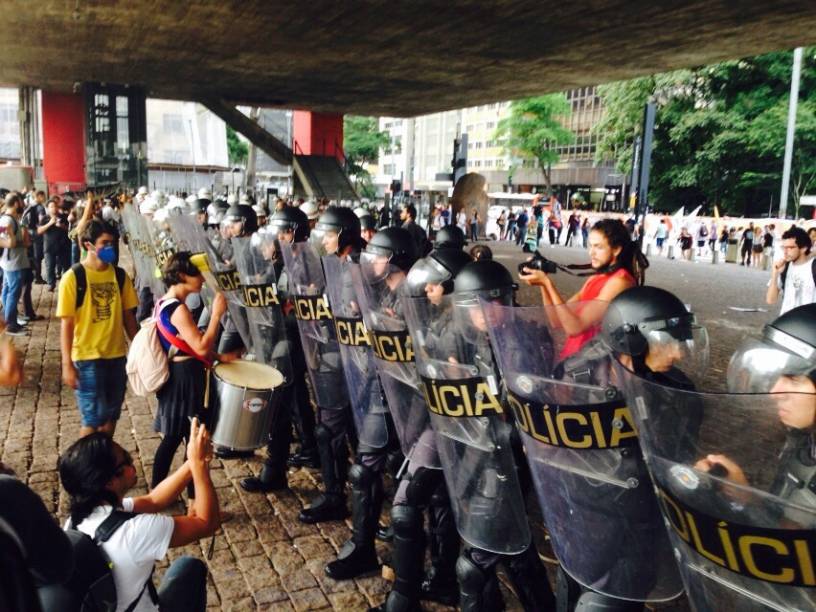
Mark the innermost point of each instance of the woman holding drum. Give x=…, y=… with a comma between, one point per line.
x=191, y=354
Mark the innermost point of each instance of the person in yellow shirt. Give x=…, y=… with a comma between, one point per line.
x=96, y=304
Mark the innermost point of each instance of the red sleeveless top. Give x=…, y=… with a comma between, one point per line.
x=590, y=291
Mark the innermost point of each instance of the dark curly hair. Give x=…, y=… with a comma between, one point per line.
x=178, y=264
x=630, y=258
x=85, y=469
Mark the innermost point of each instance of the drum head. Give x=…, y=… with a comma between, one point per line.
x=249, y=374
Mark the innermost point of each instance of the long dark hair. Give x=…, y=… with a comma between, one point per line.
x=630, y=258
x=85, y=469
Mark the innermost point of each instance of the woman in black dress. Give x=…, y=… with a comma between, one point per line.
x=190, y=353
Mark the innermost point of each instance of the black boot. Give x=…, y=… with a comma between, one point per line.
x=330, y=506
x=407, y=557
x=358, y=555
x=440, y=583
x=304, y=458
x=529, y=579
x=478, y=588
x=270, y=479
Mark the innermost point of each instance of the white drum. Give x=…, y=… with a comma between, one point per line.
x=246, y=405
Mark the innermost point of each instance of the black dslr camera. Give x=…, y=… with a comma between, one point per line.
x=539, y=262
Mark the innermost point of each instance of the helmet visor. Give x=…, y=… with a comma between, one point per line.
x=761, y=365
x=374, y=265
x=425, y=272
x=469, y=316
x=325, y=239
x=679, y=350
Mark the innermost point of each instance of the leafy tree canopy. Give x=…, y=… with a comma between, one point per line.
x=362, y=141
x=237, y=149
x=535, y=128
x=719, y=133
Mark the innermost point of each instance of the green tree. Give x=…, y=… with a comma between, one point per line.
x=237, y=149
x=534, y=129
x=362, y=141
x=719, y=132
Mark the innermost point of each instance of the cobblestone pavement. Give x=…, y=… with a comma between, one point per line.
x=264, y=558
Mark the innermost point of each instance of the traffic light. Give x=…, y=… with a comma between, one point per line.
x=459, y=161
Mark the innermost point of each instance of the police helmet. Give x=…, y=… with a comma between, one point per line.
x=242, y=213
x=396, y=244
x=786, y=350
x=341, y=221
x=450, y=237
x=367, y=222
x=199, y=205
x=440, y=267
x=290, y=218
x=485, y=278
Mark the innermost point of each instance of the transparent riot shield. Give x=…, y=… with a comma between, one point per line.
x=307, y=287
x=473, y=428
x=366, y=397
x=189, y=238
x=259, y=292
x=581, y=444
x=735, y=476
x=379, y=294
x=220, y=273
x=139, y=245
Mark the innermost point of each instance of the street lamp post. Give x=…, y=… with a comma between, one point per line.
x=792, y=106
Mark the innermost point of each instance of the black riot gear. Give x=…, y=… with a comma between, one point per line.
x=438, y=268
x=450, y=237
x=484, y=278
x=341, y=221
x=199, y=205
x=396, y=244
x=244, y=214
x=799, y=325
x=639, y=310
x=291, y=218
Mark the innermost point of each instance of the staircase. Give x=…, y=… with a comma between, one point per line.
x=322, y=176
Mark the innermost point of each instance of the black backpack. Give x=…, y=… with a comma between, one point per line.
x=784, y=275
x=82, y=282
x=91, y=585
x=17, y=590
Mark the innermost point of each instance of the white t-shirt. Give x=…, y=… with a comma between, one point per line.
x=133, y=549
x=799, y=287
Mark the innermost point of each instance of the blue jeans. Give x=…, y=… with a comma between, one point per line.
x=101, y=385
x=184, y=586
x=12, y=288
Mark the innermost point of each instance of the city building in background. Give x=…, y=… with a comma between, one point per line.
x=422, y=148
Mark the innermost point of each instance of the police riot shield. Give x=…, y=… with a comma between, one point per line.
x=581, y=445
x=259, y=294
x=307, y=287
x=735, y=475
x=219, y=273
x=365, y=394
x=377, y=285
x=140, y=245
x=459, y=380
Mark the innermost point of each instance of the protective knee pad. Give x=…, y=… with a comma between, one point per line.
x=323, y=434
x=591, y=601
x=421, y=486
x=361, y=476
x=472, y=579
x=406, y=521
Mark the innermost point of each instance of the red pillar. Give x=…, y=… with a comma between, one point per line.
x=318, y=133
x=63, y=131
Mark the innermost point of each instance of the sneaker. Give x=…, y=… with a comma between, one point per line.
x=39, y=281
x=22, y=321
x=16, y=330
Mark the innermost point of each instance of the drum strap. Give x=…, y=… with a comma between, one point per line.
x=180, y=345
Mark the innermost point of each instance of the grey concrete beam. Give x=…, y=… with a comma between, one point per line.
x=258, y=136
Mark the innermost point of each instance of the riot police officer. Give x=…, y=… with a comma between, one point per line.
x=450, y=237
x=422, y=488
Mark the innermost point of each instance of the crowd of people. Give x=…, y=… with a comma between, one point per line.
x=406, y=355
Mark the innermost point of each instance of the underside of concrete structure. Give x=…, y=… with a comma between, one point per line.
x=380, y=57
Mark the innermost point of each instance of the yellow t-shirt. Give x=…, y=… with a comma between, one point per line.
x=99, y=330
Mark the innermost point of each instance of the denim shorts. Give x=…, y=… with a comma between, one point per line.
x=101, y=385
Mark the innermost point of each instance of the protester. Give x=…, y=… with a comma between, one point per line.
x=97, y=473
x=33, y=216
x=747, y=240
x=53, y=230
x=461, y=220
x=408, y=218
x=757, y=248
x=501, y=222
x=522, y=221
x=92, y=332
x=685, y=241
x=661, y=233
x=480, y=251
x=510, y=234
x=585, y=232
x=474, y=225
x=14, y=242
x=613, y=259
x=795, y=274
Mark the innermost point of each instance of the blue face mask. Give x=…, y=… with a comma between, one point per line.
x=107, y=254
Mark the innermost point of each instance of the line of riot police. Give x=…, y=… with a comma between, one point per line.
x=648, y=483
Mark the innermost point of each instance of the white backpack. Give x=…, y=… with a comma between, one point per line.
x=148, y=366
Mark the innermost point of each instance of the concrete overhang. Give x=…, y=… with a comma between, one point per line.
x=386, y=57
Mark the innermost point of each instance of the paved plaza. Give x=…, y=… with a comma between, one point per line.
x=264, y=558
